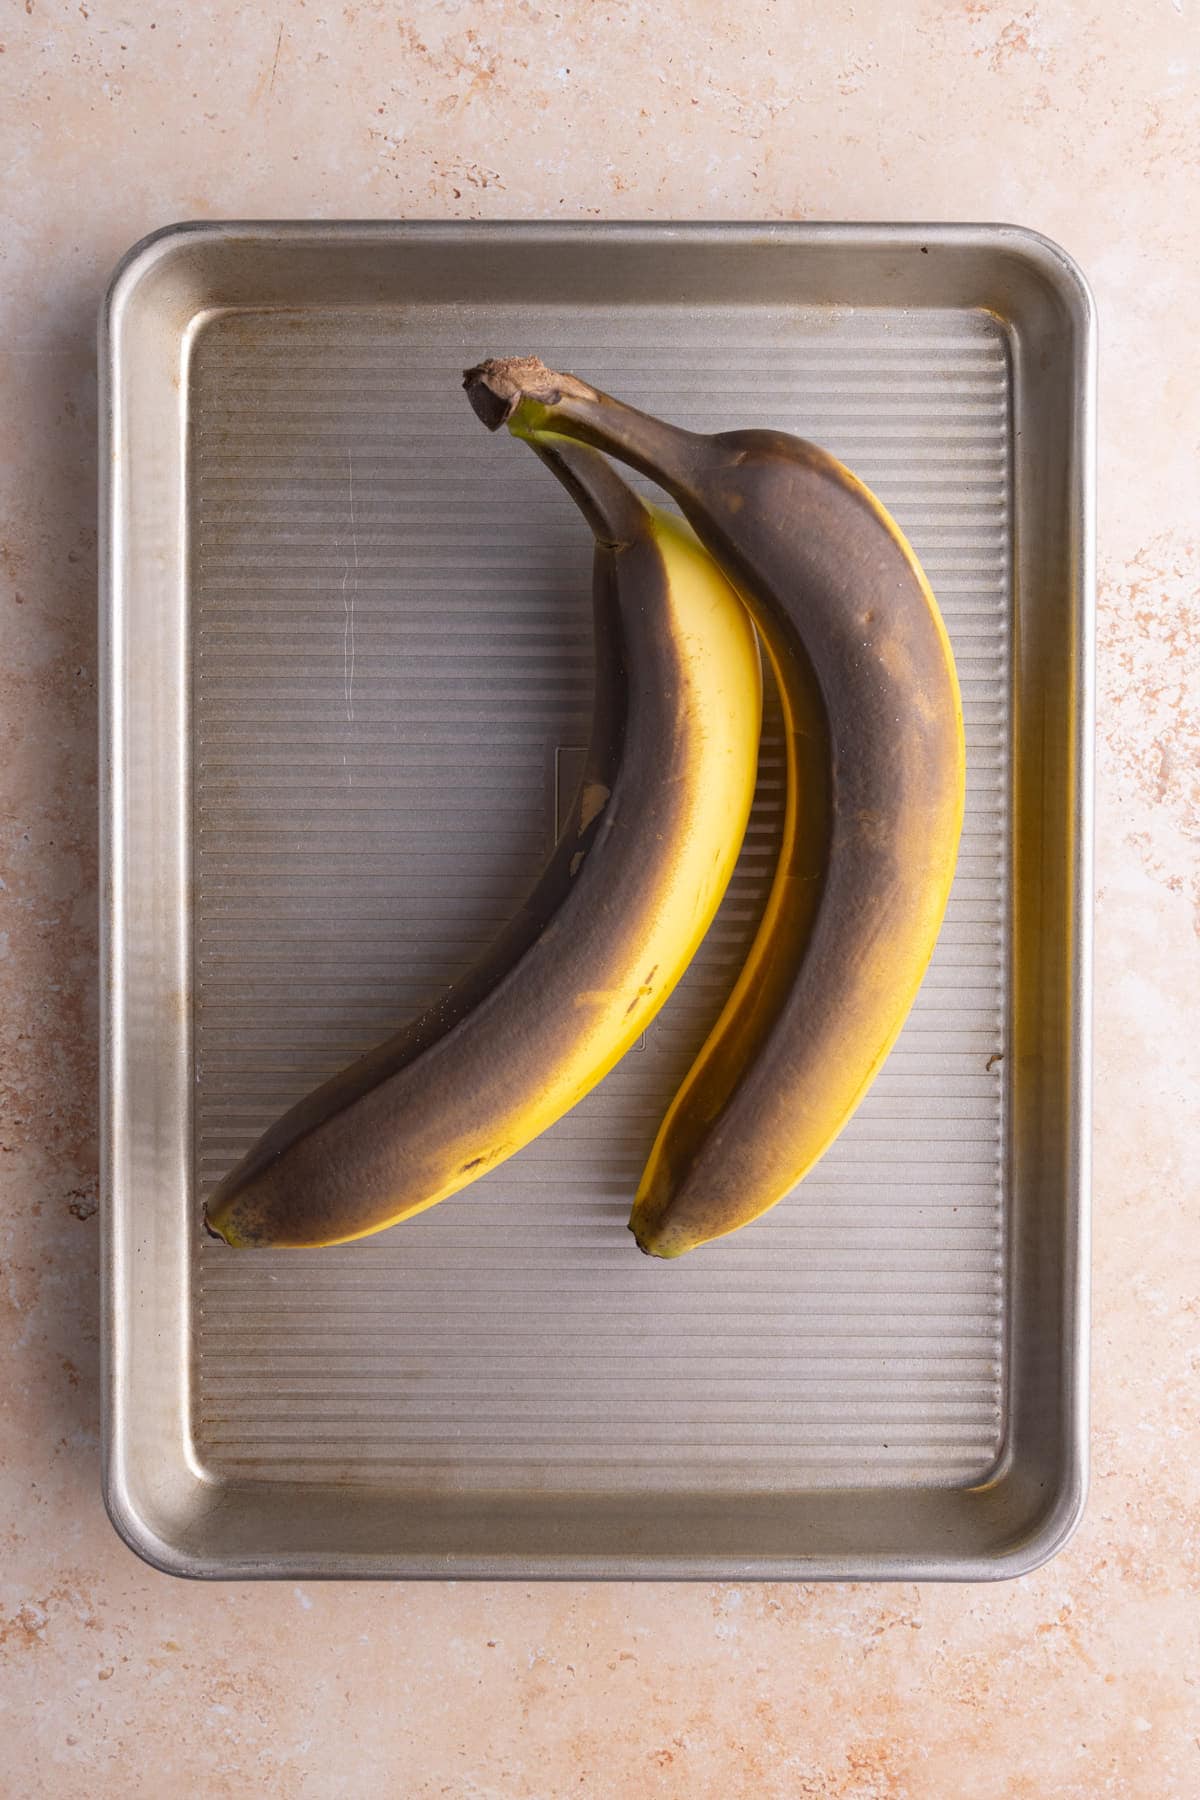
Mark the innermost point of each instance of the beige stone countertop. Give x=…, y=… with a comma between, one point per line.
x=1079, y=118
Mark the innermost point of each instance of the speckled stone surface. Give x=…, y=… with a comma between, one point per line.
x=1078, y=119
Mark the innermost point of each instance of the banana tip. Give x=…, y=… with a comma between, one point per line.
x=210, y=1228
x=649, y=1249
x=224, y=1233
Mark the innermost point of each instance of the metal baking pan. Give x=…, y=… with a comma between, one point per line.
x=347, y=662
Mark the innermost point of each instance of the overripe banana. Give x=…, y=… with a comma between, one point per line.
x=633, y=885
x=875, y=786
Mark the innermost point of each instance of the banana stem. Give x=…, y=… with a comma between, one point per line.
x=531, y=399
x=615, y=513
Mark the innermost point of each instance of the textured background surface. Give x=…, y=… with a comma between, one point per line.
x=1080, y=120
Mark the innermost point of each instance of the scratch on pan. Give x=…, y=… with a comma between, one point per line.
x=348, y=600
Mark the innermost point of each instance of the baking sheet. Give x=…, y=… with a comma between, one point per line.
x=349, y=671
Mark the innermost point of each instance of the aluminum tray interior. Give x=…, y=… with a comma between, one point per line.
x=348, y=674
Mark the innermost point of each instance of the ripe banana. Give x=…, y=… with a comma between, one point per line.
x=633, y=885
x=875, y=785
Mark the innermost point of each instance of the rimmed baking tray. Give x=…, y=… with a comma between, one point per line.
x=347, y=674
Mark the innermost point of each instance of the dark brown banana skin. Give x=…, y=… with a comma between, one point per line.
x=847, y=621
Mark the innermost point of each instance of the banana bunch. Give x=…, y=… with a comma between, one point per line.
x=780, y=533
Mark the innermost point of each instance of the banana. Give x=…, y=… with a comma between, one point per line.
x=875, y=794
x=632, y=887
